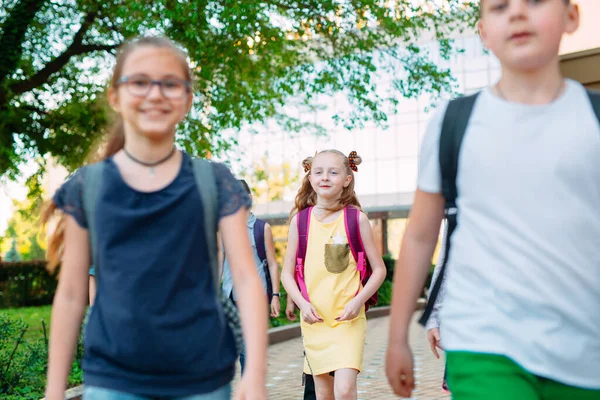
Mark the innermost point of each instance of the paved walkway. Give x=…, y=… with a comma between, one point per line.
x=285, y=367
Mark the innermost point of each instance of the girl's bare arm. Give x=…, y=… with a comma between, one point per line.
x=249, y=290
x=289, y=265
x=375, y=260
x=68, y=307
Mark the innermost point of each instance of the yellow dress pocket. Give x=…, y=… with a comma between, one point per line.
x=337, y=257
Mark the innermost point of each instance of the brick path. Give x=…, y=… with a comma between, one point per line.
x=285, y=367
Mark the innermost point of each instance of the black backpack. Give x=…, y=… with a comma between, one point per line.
x=261, y=250
x=454, y=125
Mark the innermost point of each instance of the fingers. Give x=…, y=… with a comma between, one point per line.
x=434, y=350
x=316, y=315
x=291, y=315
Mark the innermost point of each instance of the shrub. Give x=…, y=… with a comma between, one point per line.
x=384, y=294
x=389, y=262
x=26, y=284
x=23, y=362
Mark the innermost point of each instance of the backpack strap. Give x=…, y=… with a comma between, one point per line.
x=92, y=180
x=207, y=187
x=594, y=96
x=352, y=224
x=259, y=239
x=454, y=126
x=261, y=250
x=303, y=222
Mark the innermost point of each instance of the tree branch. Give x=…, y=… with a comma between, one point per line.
x=76, y=48
x=13, y=35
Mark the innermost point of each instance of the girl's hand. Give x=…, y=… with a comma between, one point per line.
x=309, y=313
x=290, y=311
x=251, y=388
x=351, y=310
x=399, y=369
x=433, y=335
x=275, y=307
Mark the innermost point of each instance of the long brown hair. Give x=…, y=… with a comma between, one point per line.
x=115, y=138
x=307, y=196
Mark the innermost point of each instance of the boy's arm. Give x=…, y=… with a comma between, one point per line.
x=414, y=261
x=434, y=318
x=409, y=277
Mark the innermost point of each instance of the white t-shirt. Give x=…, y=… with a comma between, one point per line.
x=524, y=267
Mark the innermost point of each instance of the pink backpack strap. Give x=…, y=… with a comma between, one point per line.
x=352, y=223
x=303, y=223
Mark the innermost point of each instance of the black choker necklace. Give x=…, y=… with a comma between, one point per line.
x=149, y=164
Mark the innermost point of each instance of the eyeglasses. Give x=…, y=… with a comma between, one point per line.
x=140, y=86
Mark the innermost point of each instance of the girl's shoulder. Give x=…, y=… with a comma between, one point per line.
x=231, y=194
x=69, y=196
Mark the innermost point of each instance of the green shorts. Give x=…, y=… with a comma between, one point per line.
x=477, y=376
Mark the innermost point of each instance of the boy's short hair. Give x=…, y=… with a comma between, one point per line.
x=245, y=184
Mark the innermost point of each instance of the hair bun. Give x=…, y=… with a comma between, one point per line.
x=354, y=160
x=307, y=163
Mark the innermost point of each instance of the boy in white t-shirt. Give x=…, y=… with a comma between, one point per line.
x=521, y=315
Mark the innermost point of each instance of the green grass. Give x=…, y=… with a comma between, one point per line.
x=33, y=317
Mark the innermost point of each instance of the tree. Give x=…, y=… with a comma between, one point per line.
x=271, y=182
x=251, y=59
x=35, y=250
x=25, y=227
x=13, y=253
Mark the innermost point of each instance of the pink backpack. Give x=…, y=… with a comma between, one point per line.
x=351, y=222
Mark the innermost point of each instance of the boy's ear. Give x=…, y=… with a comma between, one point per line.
x=482, y=33
x=572, y=18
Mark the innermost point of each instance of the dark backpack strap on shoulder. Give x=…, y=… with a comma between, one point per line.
x=261, y=250
x=207, y=188
x=454, y=126
x=92, y=181
x=259, y=239
x=594, y=96
x=206, y=183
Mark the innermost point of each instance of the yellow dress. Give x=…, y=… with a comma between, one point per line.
x=332, y=281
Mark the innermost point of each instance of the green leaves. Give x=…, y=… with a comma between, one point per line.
x=251, y=60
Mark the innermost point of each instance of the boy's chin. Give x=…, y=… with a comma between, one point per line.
x=527, y=62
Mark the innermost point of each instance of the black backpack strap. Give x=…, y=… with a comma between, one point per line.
x=454, y=126
x=594, y=96
x=259, y=239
